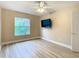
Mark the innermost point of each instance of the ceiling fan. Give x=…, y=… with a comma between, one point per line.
x=43, y=7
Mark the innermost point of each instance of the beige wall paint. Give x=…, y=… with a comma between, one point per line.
x=61, y=30
x=8, y=25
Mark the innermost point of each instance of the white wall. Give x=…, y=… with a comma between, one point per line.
x=60, y=33
x=0, y=28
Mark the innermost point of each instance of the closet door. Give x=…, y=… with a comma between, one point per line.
x=75, y=31
x=0, y=28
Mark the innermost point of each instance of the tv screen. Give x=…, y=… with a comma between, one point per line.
x=46, y=23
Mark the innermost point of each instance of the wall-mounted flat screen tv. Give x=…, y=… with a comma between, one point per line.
x=46, y=23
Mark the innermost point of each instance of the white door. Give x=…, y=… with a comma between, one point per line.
x=75, y=31
x=0, y=28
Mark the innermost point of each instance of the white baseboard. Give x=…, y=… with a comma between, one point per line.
x=4, y=43
x=58, y=43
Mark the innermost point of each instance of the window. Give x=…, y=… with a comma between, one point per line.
x=22, y=26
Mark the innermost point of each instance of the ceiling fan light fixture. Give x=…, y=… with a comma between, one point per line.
x=41, y=10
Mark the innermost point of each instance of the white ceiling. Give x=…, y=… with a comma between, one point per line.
x=31, y=6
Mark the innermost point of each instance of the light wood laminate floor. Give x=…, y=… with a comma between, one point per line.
x=36, y=49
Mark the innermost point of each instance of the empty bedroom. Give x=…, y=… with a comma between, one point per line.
x=39, y=29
